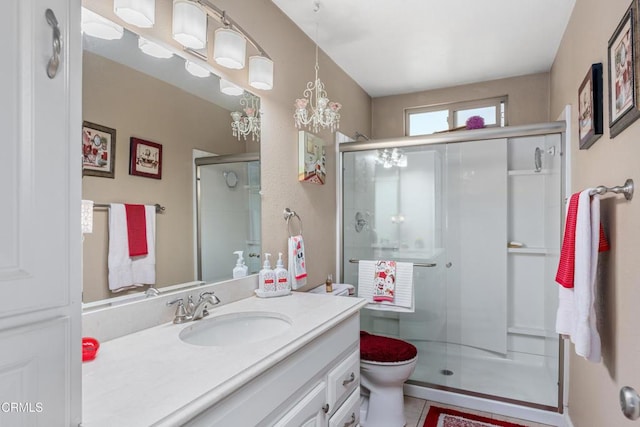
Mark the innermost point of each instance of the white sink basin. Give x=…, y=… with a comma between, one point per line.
x=235, y=328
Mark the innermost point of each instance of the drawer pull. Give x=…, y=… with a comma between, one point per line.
x=325, y=408
x=351, y=379
x=352, y=421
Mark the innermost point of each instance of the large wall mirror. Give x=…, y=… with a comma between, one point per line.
x=159, y=101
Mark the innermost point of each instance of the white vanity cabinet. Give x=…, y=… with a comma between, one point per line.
x=318, y=385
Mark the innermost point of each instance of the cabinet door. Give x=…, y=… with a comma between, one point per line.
x=309, y=411
x=40, y=256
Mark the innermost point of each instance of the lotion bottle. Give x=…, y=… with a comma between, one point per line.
x=282, y=275
x=240, y=270
x=267, y=278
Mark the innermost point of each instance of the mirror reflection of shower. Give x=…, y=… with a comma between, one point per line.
x=228, y=208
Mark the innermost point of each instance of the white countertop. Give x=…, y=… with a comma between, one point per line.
x=151, y=377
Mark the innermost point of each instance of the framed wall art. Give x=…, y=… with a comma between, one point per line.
x=311, y=158
x=145, y=158
x=623, y=73
x=98, y=150
x=590, y=107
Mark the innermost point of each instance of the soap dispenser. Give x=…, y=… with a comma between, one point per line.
x=240, y=270
x=267, y=278
x=282, y=275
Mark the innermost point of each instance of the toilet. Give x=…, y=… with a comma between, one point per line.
x=385, y=364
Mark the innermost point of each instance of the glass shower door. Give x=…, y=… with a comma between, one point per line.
x=393, y=210
x=484, y=313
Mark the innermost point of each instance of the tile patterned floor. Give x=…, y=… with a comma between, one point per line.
x=416, y=412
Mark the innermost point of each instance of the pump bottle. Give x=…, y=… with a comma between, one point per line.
x=266, y=277
x=282, y=275
x=240, y=270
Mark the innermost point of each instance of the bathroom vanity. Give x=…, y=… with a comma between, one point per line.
x=308, y=373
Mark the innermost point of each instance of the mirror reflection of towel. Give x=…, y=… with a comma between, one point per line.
x=136, y=230
x=126, y=271
x=384, y=281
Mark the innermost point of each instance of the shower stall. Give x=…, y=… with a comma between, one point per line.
x=480, y=218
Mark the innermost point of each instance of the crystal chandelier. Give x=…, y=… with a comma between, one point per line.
x=247, y=122
x=315, y=110
x=389, y=158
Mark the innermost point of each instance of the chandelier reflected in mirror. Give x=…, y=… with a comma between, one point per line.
x=246, y=123
x=389, y=158
x=315, y=110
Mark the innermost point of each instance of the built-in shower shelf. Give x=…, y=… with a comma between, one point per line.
x=535, y=251
x=534, y=332
x=528, y=172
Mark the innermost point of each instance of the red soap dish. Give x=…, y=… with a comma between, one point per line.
x=90, y=348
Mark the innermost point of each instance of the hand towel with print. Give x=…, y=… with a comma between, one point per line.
x=384, y=281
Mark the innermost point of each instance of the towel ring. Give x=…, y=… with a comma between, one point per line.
x=288, y=214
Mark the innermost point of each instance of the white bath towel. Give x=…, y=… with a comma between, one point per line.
x=404, y=300
x=576, y=315
x=126, y=272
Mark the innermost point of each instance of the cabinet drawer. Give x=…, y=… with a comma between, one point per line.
x=348, y=415
x=343, y=379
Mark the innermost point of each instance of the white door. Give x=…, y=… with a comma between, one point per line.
x=40, y=280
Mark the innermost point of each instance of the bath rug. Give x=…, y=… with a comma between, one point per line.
x=442, y=417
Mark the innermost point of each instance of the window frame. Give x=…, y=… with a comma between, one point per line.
x=454, y=107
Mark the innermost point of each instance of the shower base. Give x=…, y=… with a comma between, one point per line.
x=451, y=366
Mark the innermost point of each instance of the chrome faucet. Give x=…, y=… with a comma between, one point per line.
x=207, y=299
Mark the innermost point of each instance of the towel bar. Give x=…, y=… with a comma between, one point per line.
x=626, y=189
x=415, y=264
x=159, y=208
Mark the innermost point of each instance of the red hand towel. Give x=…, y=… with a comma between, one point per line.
x=566, y=265
x=136, y=230
x=564, y=275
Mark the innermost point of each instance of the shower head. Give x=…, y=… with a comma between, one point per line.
x=358, y=135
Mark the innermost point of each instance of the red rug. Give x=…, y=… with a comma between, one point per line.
x=441, y=417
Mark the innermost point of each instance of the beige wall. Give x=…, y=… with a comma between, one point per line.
x=528, y=102
x=293, y=55
x=593, y=393
x=135, y=104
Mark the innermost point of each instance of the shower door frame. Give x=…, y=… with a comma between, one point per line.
x=548, y=128
x=212, y=160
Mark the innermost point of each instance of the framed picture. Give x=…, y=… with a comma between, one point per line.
x=311, y=158
x=590, y=107
x=623, y=73
x=98, y=150
x=145, y=158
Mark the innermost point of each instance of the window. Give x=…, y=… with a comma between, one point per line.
x=438, y=118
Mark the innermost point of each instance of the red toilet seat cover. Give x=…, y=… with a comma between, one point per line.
x=376, y=348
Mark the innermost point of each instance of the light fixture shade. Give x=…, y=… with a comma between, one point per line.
x=261, y=72
x=229, y=88
x=141, y=13
x=196, y=70
x=153, y=49
x=97, y=26
x=229, y=48
x=189, y=24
